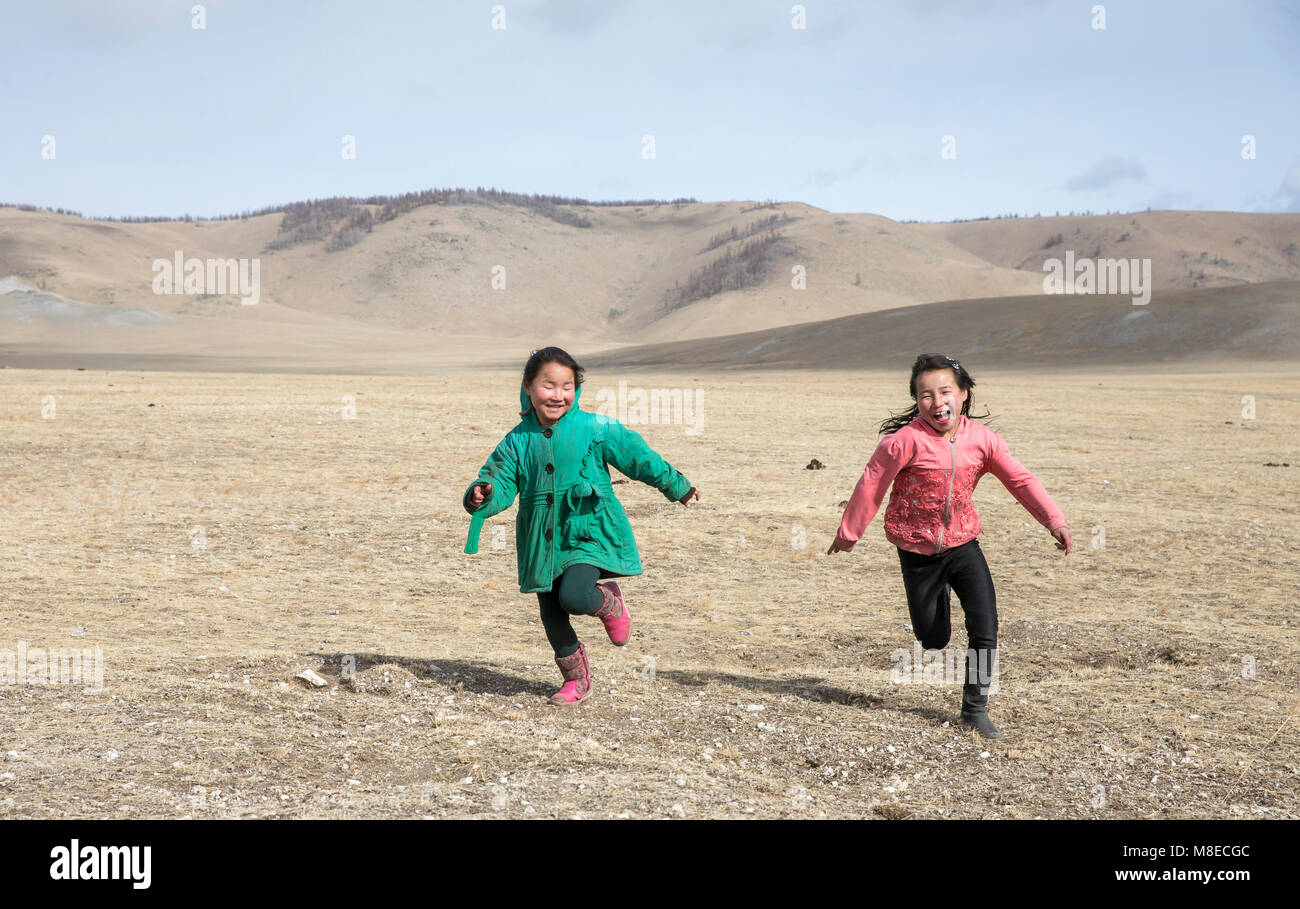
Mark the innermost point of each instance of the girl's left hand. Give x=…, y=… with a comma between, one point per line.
x=1063, y=539
x=686, y=499
x=840, y=545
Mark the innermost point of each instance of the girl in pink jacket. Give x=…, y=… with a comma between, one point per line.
x=934, y=454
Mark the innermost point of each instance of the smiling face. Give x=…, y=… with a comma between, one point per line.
x=551, y=392
x=939, y=400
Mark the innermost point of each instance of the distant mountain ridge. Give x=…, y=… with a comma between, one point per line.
x=430, y=269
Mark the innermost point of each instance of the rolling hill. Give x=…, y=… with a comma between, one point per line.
x=481, y=278
x=1252, y=322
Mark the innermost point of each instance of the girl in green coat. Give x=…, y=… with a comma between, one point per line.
x=570, y=531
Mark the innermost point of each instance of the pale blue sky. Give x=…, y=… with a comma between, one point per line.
x=151, y=116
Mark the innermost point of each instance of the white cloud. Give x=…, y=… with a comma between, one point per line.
x=1107, y=172
x=825, y=178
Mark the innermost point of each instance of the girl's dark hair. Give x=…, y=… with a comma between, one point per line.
x=925, y=363
x=540, y=357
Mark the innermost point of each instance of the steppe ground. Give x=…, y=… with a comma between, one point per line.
x=213, y=535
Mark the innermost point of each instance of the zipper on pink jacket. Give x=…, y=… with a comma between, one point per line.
x=952, y=446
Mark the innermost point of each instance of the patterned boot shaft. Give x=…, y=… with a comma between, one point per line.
x=614, y=615
x=577, y=676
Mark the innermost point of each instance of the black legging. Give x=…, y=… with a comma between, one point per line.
x=573, y=593
x=927, y=579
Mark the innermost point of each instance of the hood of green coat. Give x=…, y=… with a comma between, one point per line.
x=528, y=415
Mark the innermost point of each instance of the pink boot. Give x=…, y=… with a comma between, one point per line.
x=618, y=621
x=577, y=678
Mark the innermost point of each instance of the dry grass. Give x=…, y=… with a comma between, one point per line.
x=335, y=544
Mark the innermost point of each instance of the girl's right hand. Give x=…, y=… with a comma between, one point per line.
x=479, y=494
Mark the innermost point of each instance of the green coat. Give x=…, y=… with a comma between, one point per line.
x=567, y=509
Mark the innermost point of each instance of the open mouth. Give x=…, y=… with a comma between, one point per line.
x=943, y=416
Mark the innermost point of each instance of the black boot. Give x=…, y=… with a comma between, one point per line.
x=975, y=695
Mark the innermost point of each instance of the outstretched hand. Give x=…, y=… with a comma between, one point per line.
x=479, y=494
x=841, y=545
x=1063, y=539
x=690, y=493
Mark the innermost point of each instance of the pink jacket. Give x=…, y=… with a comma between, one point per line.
x=930, y=508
